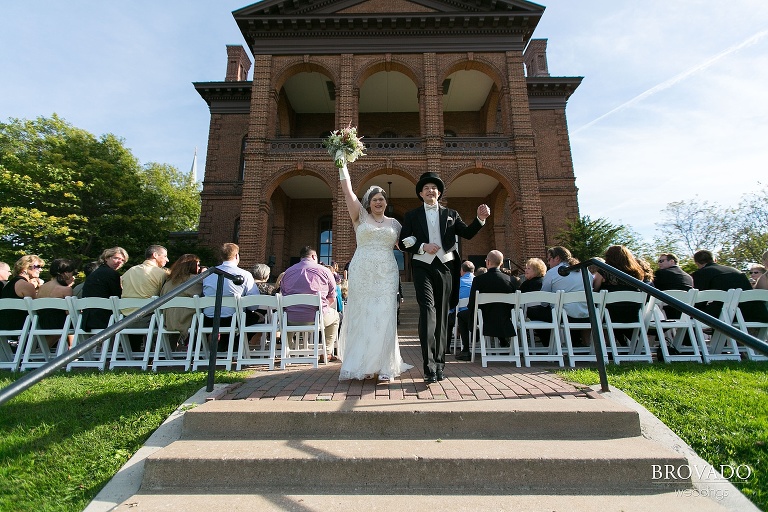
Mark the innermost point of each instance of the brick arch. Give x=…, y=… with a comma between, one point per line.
x=387, y=65
x=371, y=174
x=287, y=172
x=464, y=64
x=296, y=66
x=499, y=175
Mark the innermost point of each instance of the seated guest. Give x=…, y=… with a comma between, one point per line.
x=762, y=281
x=620, y=258
x=103, y=282
x=647, y=270
x=534, y=275
x=144, y=281
x=309, y=276
x=260, y=277
x=89, y=267
x=59, y=287
x=5, y=274
x=230, y=257
x=712, y=276
x=755, y=273
x=671, y=277
x=480, y=271
x=497, y=318
x=180, y=319
x=466, y=277
x=19, y=286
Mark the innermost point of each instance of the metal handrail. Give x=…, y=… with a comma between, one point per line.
x=729, y=330
x=32, y=378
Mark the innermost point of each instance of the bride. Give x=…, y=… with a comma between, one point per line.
x=368, y=340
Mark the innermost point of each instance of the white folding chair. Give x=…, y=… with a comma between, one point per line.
x=202, y=341
x=13, y=341
x=758, y=329
x=96, y=358
x=638, y=348
x=265, y=352
x=552, y=351
x=490, y=348
x=576, y=353
x=718, y=346
x=304, y=343
x=165, y=347
x=672, y=332
x=37, y=351
x=455, y=338
x=121, y=352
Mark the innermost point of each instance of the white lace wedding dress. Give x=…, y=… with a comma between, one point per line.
x=368, y=340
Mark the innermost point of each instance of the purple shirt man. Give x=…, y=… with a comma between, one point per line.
x=308, y=276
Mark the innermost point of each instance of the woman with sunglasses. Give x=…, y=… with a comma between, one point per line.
x=25, y=270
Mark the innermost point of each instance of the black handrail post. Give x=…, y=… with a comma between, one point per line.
x=595, y=333
x=213, y=343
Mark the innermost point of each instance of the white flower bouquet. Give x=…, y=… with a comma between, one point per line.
x=344, y=146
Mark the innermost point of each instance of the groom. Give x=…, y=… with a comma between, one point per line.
x=431, y=233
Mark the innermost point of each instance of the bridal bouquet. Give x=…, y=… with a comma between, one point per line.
x=344, y=145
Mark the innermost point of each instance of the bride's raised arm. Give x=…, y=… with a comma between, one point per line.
x=353, y=205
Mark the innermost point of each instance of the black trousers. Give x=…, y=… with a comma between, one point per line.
x=433, y=283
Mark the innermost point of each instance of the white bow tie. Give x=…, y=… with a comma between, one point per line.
x=431, y=207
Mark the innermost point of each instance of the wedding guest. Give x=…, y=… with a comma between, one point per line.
x=89, y=267
x=5, y=273
x=535, y=268
x=59, y=287
x=19, y=286
x=103, y=282
x=180, y=319
x=755, y=273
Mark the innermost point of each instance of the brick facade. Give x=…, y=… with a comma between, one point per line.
x=268, y=180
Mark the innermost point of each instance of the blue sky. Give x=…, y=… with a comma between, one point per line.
x=673, y=104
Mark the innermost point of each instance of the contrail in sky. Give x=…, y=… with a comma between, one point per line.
x=675, y=79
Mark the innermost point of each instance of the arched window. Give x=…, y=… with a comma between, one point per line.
x=325, y=244
x=241, y=176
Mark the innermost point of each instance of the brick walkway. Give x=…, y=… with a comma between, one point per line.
x=465, y=381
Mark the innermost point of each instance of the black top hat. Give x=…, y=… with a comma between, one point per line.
x=429, y=177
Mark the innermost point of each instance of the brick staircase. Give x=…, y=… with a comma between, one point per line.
x=443, y=455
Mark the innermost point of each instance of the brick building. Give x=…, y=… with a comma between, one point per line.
x=449, y=86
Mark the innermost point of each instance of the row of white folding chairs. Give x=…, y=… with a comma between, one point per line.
x=32, y=350
x=691, y=339
x=635, y=346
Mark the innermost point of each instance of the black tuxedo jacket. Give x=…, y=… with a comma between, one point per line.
x=451, y=226
x=672, y=278
x=720, y=277
x=497, y=318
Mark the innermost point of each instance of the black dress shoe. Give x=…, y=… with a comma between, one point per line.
x=430, y=378
x=464, y=356
x=439, y=375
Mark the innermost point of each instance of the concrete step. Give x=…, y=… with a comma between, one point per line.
x=411, y=466
x=268, y=502
x=491, y=419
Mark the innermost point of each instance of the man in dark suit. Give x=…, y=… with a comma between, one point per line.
x=712, y=276
x=430, y=233
x=497, y=318
x=671, y=277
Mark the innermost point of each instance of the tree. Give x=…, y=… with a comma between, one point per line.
x=66, y=193
x=587, y=238
x=694, y=225
x=748, y=230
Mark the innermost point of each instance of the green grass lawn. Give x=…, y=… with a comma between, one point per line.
x=62, y=440
x=720, y=410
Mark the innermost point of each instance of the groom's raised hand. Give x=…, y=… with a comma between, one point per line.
x=483, y=212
